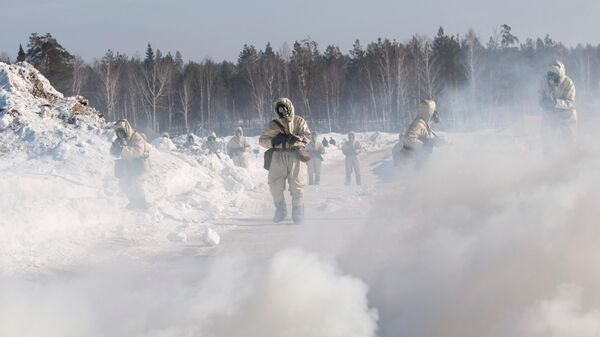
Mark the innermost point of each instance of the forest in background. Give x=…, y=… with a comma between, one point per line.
x=371, y=87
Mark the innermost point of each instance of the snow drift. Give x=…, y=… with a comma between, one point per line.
x=61, y=200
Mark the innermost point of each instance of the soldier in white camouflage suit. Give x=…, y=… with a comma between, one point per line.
x=286, y=136
x=133, y=151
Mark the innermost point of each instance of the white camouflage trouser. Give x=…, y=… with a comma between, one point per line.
x=314, y=171
x=286, y=167
x=352, y=164
x=558, y=135
x=240, y=160
x=133, y=189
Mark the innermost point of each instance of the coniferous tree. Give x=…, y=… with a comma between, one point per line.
x=51, y=59
x=149, y=60
x=21, y=54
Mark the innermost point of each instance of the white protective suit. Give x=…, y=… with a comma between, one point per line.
x=286, y=165
x=237, y=148
x=134, y=151
x=557, y=99
x=351, y=150
x=417, y=141
x=316, y=150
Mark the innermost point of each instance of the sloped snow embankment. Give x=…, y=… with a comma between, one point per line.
x=60, y=200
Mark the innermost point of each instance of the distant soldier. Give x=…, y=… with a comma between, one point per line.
x=351, y=150
x=133, y=151
x=325, y=142
x=418, y=140
x=332, y=141
x=316, y=151
x=557, y=99
x=211, y=145
x=237, y=148
x=190, y=141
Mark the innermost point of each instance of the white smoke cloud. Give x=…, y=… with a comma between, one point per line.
x=490, y=229
x=294, y=294
x=563, y=315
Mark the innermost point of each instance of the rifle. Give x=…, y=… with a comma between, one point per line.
x=212, y=149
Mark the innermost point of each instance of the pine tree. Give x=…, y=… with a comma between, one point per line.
x=178, y=60
x=21, y=54
x=51, y=59
x=149, y=60
x=508, y=39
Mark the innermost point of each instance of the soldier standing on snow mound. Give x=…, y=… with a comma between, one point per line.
x=211, y=145
x=286, y=137
x=316, y=151
x=351, y=149
x=237, y=148
x=418, y=140
x=133, y=151
x=557, y=99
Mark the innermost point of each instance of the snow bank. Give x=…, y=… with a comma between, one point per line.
x=62, y=200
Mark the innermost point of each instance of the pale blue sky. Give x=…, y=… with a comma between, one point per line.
x=219, y=28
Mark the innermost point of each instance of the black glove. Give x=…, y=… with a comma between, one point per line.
x=293, y=139
x=279, y=139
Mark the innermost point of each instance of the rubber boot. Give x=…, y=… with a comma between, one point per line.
x=317, y=180
x=280, y=212
x=311, y=181
x=298, y=214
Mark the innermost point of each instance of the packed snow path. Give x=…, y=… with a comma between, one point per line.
x=329, y=205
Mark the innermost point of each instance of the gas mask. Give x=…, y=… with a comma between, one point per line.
x=553, y=78
x=284, y=112
x=435, y=117
x=121, y=134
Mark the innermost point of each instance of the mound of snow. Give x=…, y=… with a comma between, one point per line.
x=63, y=205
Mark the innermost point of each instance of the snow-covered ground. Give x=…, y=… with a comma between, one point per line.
x=491, y=239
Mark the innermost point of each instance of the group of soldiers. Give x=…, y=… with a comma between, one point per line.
x=558, y=131
x=293, y=155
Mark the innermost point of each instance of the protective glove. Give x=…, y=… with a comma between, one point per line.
x=293, y=139
x=279, y=139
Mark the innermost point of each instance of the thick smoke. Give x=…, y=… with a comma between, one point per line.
x=493, y=238
x=294, y=294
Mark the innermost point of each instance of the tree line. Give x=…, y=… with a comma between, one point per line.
x=376, y=86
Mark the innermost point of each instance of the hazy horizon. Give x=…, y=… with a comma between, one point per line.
x=219, y=30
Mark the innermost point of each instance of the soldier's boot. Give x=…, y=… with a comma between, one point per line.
x=317, y=180
x=358, y=182
x=280, y=212
x=298, y=214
